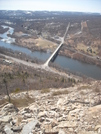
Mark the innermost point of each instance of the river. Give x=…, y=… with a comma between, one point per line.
x=64, y=62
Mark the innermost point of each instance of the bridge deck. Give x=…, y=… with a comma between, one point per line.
x=57, y=49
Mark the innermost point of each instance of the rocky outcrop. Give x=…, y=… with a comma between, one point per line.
x=72, y=113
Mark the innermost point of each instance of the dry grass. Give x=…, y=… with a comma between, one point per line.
x=55, y=93
x=40, y=43
x=19, y=119
x=20, y=102
x=3, y=101
x=45, y=90
x=82, y=93
x=17, y=90
x=84, y=87
x=81, y=46
x=97, y=90
x=45, y=44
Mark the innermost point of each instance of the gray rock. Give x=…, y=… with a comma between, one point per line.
x=28, y=127
x=9, y=108
x=70, y=129
x=38, y=125
x=8, y=130
x=61, y=132
x=6, y=119
x=17, y=128
x=97, y=127
x=51, y=132
x=28, y=115
x=42, y=114
x=60, y=102
x=99, y=131
x=42, y=119
x=27, y=110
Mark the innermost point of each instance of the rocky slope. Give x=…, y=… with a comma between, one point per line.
x=74, y=110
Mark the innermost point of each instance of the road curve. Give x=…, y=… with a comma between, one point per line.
x=36, y=66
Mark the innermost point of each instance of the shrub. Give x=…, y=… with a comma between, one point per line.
x=45, y=90
x=55, y=93
x=84, y=87
x=63, y=80
x=17, y=90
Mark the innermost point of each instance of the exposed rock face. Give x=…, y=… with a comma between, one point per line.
x=72, y=113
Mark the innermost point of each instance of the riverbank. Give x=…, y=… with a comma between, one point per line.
x=64, y=51
x=30, y=74
x=19, y=55
x=35, y=44
x=64, y=62
x=42, y=55
x=80, y=56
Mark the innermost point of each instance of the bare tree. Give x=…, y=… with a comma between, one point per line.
x=24, y=77
x=5, y=82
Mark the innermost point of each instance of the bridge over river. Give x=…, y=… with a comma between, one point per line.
x=57, y=49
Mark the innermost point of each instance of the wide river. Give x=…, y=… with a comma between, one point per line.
x=64, y=62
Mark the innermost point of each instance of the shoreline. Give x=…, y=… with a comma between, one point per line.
x=87, y=60
x=84, y=58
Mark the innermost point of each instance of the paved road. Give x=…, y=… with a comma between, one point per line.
x=36, y=66
x=92, y=57
x=57, y=49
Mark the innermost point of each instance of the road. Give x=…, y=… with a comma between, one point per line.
x=45, y=66
x=36, y=66
x=57, y=49
x=92, y=57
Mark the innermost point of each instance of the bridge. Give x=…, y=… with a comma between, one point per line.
x=57, y=49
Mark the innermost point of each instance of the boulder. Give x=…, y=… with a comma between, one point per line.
x=7, y=129
x=42, y=119
x=97, y=127
x=27, y=110
x=27, y=115
x=28, y=127
x=61, y=132
x=42, y=114
x=9, y=108
x=6, y=119
x=70, y=129
x=60, y=102
x=16, y=128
